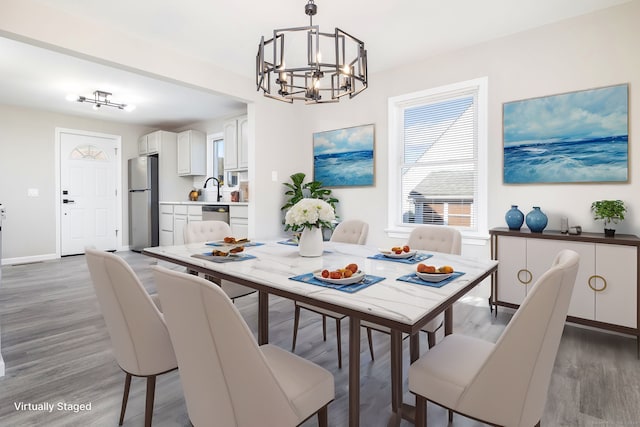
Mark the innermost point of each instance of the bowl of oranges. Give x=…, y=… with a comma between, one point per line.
x=431, y=273
x=342, y=276
x=398, y=252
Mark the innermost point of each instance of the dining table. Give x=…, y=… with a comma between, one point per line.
x=389, y=293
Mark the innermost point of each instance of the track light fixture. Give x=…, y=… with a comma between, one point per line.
x=335, y=64
x=99, y=99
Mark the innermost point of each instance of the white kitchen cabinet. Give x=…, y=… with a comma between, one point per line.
x=183, y=215
x=236, y=144
x=239, y=220
x=192, y=157
x=605, y=294
x=149, y=144
x=166, y=225
x=171, y=186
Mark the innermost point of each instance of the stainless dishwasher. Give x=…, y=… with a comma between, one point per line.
x=215, y=213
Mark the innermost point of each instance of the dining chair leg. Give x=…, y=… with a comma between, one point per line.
x=125, y=397
x=323, y=419
x=450, y=416
x=421, y=411
x=339, y=338
x=431, y=339
x=148, y=409
x=296, y=321
x=324, y=327
x=370, y=343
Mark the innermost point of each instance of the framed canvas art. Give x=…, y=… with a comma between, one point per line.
x=344, y=157
x=568, y=138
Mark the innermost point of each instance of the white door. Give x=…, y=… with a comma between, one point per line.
x=88, y=185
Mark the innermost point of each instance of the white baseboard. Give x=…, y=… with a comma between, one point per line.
x=28, y=259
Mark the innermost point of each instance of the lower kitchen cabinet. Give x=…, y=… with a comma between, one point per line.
x=239, y=220
x=173, y=219
x=605, y=294
x=166, y=225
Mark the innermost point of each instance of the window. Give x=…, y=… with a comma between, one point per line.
x=437, y=158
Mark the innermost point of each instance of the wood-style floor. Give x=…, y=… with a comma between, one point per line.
x=56, y=350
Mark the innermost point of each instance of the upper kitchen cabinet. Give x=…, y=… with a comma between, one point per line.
x=236, y=144
x=149, y=144
x=192, y=158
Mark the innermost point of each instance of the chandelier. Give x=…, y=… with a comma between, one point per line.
x=335, y=64
x=101, y=98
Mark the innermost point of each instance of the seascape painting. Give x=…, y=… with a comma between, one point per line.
x=344, y=157
x=573, y=137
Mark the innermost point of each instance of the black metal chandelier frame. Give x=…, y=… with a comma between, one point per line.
x=309, y=82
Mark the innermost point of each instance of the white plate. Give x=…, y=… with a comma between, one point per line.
x=433, y=277
x=403, y=255
x=357, y=277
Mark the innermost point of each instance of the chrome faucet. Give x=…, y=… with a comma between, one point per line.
x=218, y=185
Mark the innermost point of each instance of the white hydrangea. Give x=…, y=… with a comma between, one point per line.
x=309, y=213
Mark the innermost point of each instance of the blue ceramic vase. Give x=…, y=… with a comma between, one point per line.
x=536, y=220
x=514, y=218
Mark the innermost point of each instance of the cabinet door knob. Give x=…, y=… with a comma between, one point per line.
x=593, y=281
x=528, y=275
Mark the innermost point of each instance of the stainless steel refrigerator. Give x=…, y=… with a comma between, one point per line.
x=143, y=203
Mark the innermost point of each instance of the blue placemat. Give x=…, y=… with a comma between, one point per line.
x=289, y=242
x=413, y=278
x=414, y=259
x=246, y=245
x=221, y=259
x=365, y=283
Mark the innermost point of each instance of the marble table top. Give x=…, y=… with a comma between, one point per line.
x=390, y=300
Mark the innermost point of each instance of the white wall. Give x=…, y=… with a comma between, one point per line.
x=590, y=51
x=27, y=143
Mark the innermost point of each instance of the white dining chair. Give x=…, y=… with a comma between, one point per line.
x=228, y=380
x=505, y=383
x=139, y=337
x=436, y=238
x=208, y=231
x=349, y=231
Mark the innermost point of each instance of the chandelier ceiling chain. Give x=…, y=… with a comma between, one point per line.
x=335, y=64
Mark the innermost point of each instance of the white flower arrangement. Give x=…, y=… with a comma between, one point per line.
x=309, y=213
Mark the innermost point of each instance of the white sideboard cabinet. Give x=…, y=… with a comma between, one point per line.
x=605, y=294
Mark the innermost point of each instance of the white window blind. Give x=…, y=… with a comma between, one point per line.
x=437, y=158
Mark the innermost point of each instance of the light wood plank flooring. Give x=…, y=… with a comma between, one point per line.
x=56, y=349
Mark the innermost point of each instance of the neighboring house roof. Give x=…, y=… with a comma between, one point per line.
x=445, y=185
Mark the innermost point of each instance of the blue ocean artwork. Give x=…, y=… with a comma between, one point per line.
x=575, y=137
x=344, y=157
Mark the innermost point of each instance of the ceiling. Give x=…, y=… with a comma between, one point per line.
x=227, y=34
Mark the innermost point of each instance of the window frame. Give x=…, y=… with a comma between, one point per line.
x=396, y=106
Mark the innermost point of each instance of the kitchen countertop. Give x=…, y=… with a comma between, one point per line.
x=200, y=203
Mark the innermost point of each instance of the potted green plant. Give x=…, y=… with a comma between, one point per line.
x=610, y=211
x=298, y=190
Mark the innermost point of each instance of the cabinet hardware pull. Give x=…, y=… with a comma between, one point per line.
x=593, y=279
x=529, y=276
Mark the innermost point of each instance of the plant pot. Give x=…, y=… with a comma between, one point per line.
x=609, y=232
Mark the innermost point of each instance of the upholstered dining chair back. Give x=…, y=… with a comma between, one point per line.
x=203, y=231
x=351, y=231
x=437, y=238
x=511, y=387
x=139, y=336
x=207, y=231
x=226, y=377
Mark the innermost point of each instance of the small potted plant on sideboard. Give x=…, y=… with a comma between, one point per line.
x=611, y=212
